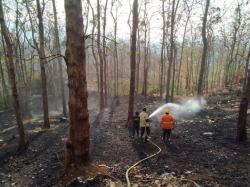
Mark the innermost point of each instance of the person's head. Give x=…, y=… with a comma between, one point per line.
x=167, y=111
x=136, y=113
x=144, y=109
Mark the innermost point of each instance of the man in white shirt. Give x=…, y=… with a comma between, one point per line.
x=144, y=124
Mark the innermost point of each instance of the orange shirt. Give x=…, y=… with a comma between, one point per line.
x=167, y=121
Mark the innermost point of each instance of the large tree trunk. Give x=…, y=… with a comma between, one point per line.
x=12, y=77
x=77, y=145
x=171, y=58
x=43, y=61
x=204, y=53
x=59, y=60
x=242, y=119
x=133, y=62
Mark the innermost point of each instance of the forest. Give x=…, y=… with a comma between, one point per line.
x=124, y=93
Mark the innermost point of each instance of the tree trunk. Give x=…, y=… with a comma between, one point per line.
x=59, y=60
x=167, y=98
x=162, y=48
x=204, y=53
x=4, y=85
x=104, y=55
x=246, y=69
x=182, y=48
x=93, y=49
x=133, y=63
x=100, y=56
x=77, y=145
x=12, y=77
x=43, y=61
x=242, y=119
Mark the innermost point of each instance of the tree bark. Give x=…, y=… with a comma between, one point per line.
x=59, y=60
x=242, y=118
x=162, y=48
x=102, y=104
x=104, y=55
x=204, y=53
x=133, y=62
x=167, y=98
x=43, y=61
x=12, y=77
x=77, y=145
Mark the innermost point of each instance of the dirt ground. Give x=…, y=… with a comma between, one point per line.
x=209, y=160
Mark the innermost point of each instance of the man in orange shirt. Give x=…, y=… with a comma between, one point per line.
x=167, y=123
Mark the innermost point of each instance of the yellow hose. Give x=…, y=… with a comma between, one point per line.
x=140, y=161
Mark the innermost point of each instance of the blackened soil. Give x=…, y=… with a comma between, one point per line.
x=209, y=160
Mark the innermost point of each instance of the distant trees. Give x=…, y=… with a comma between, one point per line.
x=40, y=47
x=77, y=145
x=59, y=59
x=12, y=77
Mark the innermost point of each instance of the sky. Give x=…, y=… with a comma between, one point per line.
x=154, y=8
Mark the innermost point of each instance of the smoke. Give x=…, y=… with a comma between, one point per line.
x=183, y=110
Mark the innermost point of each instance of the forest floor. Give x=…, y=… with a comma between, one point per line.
x=209, y=160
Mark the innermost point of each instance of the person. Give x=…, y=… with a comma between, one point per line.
x=167, y=124
x=144, y=124
x=136, y=124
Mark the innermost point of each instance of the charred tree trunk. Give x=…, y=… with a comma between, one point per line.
x=133, y=62
x=77, y=145
x=204, y=53
x=242, y=119
x=12, y=77
x=59, y=60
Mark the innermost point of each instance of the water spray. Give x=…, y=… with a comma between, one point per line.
x=184, y=109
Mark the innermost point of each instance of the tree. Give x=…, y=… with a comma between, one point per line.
x=12, y=77
x=204, y=53
x=171, y=57
x=41, y=53
x=59, y=60
x=102, y=103
x=162, y=48
x=133, y=62
x=77, y=145
x=242, y=118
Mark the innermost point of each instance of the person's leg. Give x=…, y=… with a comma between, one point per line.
x=142, y=131
x=163, y=134
x=148, y=131
x=137, y=130
x=133, y=131
x=168, y=131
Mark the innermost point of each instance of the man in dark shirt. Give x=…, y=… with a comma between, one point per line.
x=136, y=124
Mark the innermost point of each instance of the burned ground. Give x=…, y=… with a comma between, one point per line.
x=209, y=160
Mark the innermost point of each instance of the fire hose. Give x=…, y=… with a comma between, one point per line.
x=140, y=161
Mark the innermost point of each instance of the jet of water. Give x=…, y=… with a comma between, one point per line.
x=184, y=109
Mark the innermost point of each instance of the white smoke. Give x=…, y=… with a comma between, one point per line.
x=182, y=110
